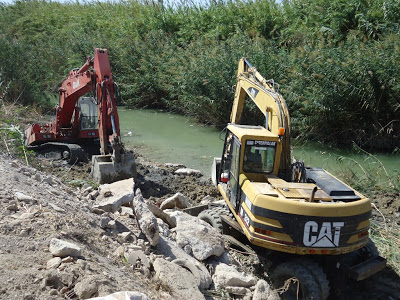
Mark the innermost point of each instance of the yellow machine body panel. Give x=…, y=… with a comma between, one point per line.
x=294, y=225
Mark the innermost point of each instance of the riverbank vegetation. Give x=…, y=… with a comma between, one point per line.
x=337, y=61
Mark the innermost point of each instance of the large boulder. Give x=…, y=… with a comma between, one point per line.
x=147, y=221
x=228, y=276
x=171, y=250
x=63, y=248
x=113, y=196
x=203, y=239
x=181, y=282
x=176, y=201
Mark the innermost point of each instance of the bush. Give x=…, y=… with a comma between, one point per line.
x=336, y=60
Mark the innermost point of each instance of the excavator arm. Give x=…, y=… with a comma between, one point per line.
x=262, y=92
x=109, y=130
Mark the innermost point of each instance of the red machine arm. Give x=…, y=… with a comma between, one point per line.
x=109, y=130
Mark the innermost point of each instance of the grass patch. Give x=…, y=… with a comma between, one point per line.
x=387, y=238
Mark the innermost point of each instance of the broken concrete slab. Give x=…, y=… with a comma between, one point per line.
x=22, y=197
x=163, y=228
x=172, y=251
x=181, y=282
x=126, y=211
x=204, y=239
x=228, y=276
x=176, y=201
x=159, y=213
x=188, y=172
x=147, y=221
x=113, y=196
x=63, y=248
x=188, y=265
x=171, y=165
x=53, y=263
x=238, y=290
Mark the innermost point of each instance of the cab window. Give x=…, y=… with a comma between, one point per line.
x=259, y=156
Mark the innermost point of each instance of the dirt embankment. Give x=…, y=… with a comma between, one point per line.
x=36, y=207
x=386, y=206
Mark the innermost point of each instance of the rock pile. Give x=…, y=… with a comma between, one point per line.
x=173, y=247
x=61, y=242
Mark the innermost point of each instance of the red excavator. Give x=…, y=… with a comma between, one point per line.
x=83, y=122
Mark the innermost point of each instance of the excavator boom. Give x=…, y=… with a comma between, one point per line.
x=262, y=92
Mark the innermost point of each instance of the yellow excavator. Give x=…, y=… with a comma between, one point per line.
x=315, y=223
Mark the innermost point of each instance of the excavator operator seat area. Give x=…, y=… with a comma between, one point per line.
x=88, y=113
x=259, y=156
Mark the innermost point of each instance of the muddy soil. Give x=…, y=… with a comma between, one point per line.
x=386, y=206
x=156, y=181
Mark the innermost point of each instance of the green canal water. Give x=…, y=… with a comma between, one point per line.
x=166, y=137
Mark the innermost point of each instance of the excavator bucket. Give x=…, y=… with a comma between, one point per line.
x=106, y=170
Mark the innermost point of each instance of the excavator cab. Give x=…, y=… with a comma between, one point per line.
x=249, y=150
x=259, y=156
x=88, y=113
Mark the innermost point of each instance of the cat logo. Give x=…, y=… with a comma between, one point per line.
x=325, y=237
x=253, y=92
